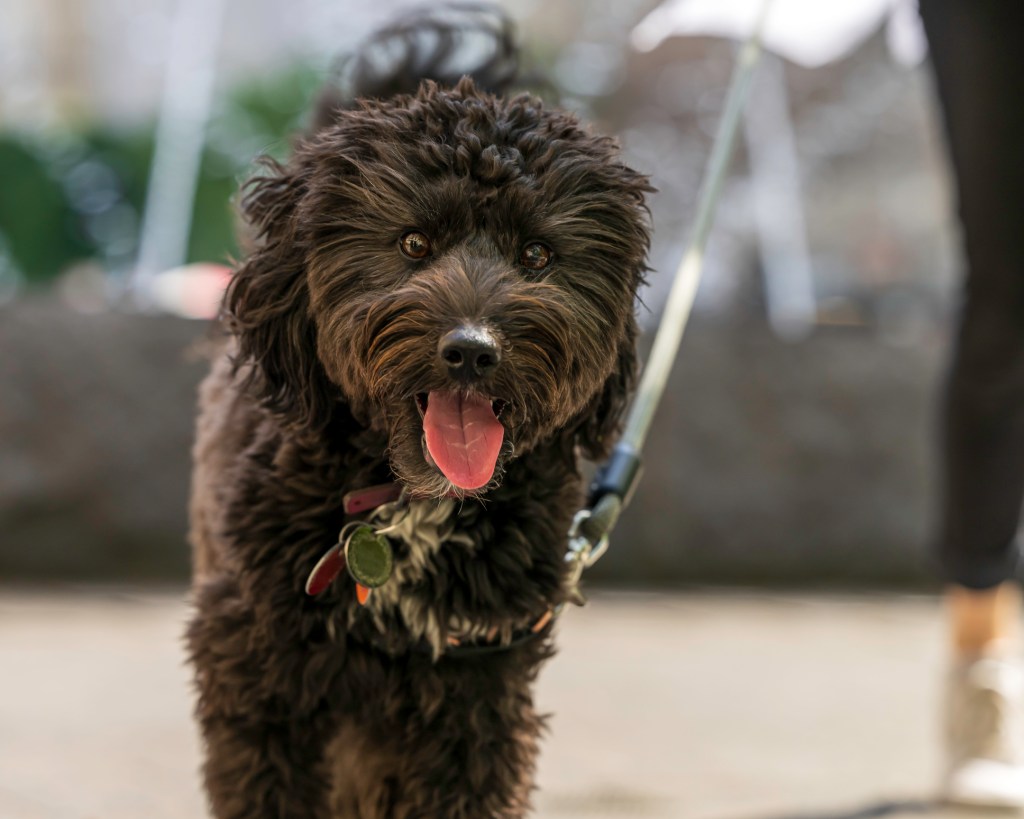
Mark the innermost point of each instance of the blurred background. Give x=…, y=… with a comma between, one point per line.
x=786, y=508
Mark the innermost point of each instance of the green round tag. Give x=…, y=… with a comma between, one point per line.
x=368, y=556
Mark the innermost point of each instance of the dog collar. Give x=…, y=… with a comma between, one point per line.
x=364, y=500
x=366, y=553
x=360, y=548
x=492, y=643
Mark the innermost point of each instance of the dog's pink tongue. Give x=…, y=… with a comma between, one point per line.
x=463, y=437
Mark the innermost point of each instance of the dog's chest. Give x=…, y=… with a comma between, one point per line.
x=419, y=531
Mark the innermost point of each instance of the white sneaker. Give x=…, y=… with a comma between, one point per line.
x=985, y=730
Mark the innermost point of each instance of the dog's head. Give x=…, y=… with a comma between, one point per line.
x=459, y=269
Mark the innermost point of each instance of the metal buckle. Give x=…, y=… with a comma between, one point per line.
x=582, y=555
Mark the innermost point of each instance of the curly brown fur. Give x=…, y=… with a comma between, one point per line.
x=314, y=706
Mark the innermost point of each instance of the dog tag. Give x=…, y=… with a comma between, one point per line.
x=327, y=568
x=368, y=557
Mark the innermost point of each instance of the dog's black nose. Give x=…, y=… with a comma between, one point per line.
x=469, y=353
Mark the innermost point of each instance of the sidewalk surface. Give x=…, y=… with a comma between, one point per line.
x=691, y=706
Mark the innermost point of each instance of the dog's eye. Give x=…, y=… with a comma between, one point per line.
x=536, y=256
x=415, y=245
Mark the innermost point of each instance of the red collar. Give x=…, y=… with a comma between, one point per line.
x=364, y=500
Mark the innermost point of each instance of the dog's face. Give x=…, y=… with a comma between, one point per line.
x=460, y=270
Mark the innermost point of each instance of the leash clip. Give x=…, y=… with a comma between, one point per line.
x=582, y=554
x=579, y=544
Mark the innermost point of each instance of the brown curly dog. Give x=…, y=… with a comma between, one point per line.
x=435, y=319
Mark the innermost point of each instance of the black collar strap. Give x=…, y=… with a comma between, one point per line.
x=461, y=648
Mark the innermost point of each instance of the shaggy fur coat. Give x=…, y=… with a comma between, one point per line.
x=401, y=222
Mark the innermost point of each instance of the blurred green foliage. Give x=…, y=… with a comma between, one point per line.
x=77, y=195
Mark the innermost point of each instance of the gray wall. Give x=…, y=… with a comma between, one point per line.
x=95, y=429
x=769, y=462
x=773, y=462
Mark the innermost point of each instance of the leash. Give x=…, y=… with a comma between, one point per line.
x=616, y=481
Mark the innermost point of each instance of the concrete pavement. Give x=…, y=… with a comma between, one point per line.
x=690, y=706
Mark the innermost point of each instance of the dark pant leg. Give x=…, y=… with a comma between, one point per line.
x=977, y=49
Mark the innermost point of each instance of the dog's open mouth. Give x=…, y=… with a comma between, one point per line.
x=463, y=435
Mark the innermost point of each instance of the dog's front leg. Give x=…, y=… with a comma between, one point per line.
x=264, y=727
x=468, y=748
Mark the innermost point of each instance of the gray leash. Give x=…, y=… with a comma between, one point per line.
x=616, y=480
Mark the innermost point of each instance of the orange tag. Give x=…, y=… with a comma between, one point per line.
x=362, y=594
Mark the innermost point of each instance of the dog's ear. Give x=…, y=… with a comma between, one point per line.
x=267, y=303
x=600, y=425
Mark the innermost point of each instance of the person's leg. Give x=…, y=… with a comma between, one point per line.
x=984, y=622
x=978, y=58
x=985, y=691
